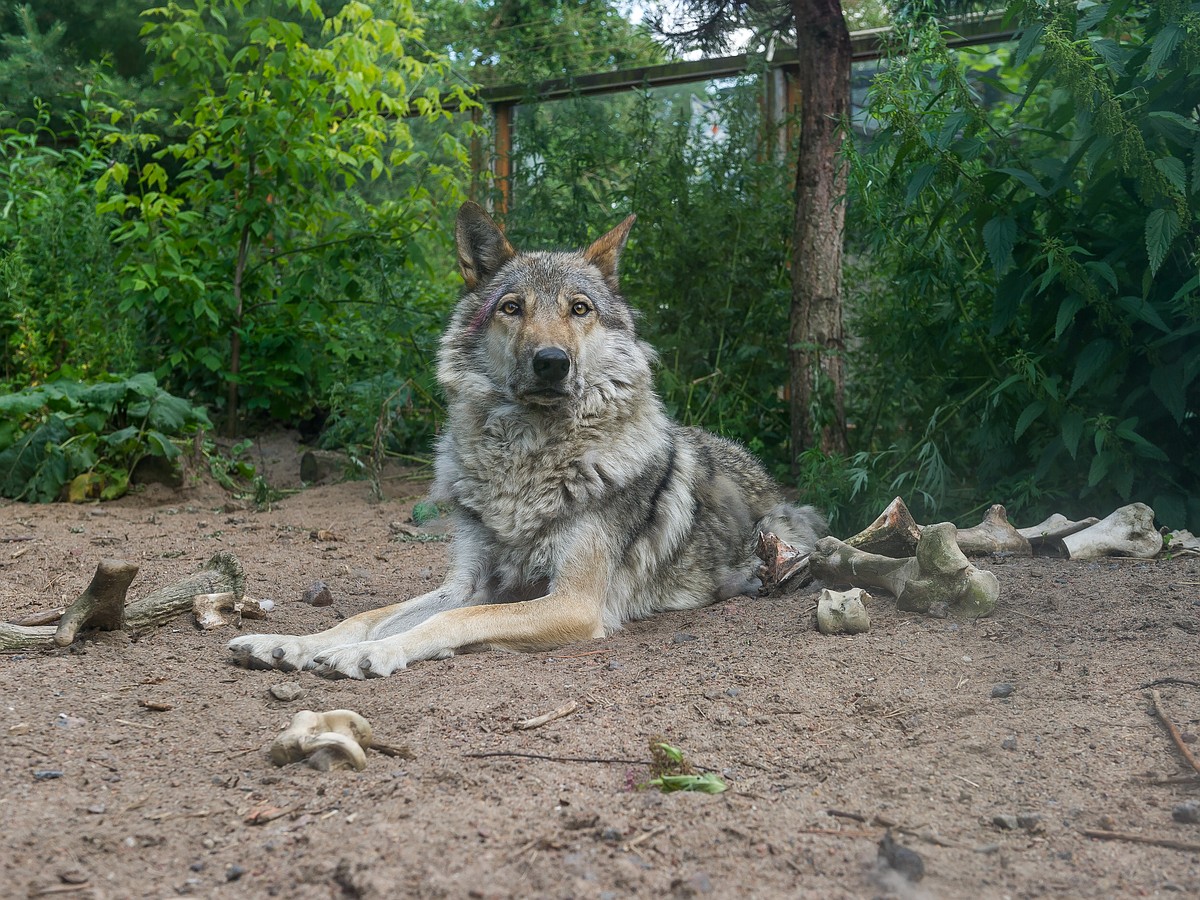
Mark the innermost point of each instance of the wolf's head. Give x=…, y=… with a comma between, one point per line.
x=547, y=330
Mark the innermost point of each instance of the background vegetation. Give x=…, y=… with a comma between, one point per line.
x=249, y=202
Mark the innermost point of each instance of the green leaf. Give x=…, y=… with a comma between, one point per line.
x=1164, y=45
x=1066, y=314
x=1093, y=358
x=1029, y=40
x=1169, y=387
x=1028, y=416
x=1098, y=469
x=1174, y=171
x=1173, y=126
x=1162, y=226
x=1071, y=426
x=1025, y=178
x=920, y=178
x=708, y=783
x=999, y=236
x=1104, y=270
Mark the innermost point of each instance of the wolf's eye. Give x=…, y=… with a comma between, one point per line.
x=581, y=308
x=510, y=308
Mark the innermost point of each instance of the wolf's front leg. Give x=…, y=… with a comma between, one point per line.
x=572, y=611
x=291, y=652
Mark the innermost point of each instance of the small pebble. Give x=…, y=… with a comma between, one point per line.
x=1009, y=743
x=234, y=872
x=317, y=594
x=1006, y=822
x=613, y=665
x=682, y=637
x=47, y=774
x=1003, y=689
x=1031, y=822
x=1188, y=813
x=938, y=610
x=286, y=691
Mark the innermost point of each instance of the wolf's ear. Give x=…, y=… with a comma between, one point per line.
x=606, y=252
x=482, y=246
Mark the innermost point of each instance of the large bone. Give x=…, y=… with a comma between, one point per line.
x=1046, y=537
x=939, y=573
x=1129, y=531
x=103, y=605
x=993, y=535
x=337, y=739
x=895, y=533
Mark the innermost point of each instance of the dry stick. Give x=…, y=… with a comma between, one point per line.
x=1175, y=736
x=1158, y=681
x=538, y=721
x=645, y=836
x=1169, y=843
x=571, y=759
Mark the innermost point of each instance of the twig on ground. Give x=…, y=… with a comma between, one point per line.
x=1169, y=843
x=1158, y=681
x=401, y=752
x=537, y=721
x=570, y=759
x=1175, y=735
x=645, y=836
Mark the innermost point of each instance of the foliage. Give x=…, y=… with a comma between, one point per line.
x=671, y=771
x=1028, y=313
x=81, y=441
x=58, y=269
x=250, y=220
x=522, y=41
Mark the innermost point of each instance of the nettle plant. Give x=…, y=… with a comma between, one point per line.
x=1033, y=222
x=74, y=441
x=242, y=217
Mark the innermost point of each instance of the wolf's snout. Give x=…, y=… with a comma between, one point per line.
x=551, y=365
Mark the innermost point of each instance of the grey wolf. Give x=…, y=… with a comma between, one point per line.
x=578, y=504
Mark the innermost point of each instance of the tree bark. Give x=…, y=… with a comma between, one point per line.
x=815, y=336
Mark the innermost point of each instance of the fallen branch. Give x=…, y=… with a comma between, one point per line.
x=570, y=759
x=1175, y=735
x=939, y=573
x=1169, y=843
x=102, y=605
x=538, y=721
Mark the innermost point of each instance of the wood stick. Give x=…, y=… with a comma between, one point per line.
x=1169, y=843
x=1175, y=735
x=538, y=721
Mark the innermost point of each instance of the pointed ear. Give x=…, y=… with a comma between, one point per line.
x=606, y=252
x=482, y=246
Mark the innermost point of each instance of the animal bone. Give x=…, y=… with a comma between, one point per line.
x=337, y=739
x=993, y=535
x=1046, y=537
x=894, y=533
x=214, y=610
x=781, y=562
x=103, y=604
x=1129, y=531
x=843, y=612
x=939, y=573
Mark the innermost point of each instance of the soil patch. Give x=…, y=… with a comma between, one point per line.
x=140, y=768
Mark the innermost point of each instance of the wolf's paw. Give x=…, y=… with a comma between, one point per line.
x=368, y=659
x=272, y=651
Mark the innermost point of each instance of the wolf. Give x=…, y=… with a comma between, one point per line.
x=577, y=503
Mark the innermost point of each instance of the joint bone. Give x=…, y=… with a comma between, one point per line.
x=1129, y=531
x=939, y=573
x=332, y=740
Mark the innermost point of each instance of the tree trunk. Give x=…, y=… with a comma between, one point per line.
x=235, y=335
x=815, y=338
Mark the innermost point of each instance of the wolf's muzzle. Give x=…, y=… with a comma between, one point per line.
x=551, y=365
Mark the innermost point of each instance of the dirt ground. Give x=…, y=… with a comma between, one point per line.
x=105, y=797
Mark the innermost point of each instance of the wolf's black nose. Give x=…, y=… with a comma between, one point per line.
x=551, y=365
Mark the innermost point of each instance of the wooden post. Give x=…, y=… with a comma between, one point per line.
x=502, y=158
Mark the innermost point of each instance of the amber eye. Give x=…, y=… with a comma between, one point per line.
x=510, y=308
x=581, y=308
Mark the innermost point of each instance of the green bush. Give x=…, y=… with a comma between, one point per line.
x=67, y=440
x=1027, y=327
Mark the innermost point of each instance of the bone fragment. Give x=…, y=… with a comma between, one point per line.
x=993, y=535
x=1129, y=531
x=1046, y=537
x=332, y=740
x=894, y=533
x=781, y=562
x=1182, y=540
x=843, y=612
x=939, y=573
x=103, y=604
x=214, y=610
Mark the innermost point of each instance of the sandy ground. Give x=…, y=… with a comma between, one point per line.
x=106, y=797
